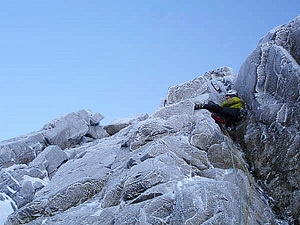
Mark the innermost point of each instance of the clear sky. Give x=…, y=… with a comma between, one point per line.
x=118, y=57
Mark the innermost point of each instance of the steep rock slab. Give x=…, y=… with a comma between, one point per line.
x=272, y=75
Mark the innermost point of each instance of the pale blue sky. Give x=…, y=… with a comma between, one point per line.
x=118, y=58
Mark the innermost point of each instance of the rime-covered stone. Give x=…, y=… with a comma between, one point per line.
x=271, y=138
x=175, y=166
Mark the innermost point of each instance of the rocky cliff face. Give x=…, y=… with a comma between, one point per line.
x=175, y=166
x=272, y=136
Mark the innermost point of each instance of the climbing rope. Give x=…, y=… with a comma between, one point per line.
x=234, y=152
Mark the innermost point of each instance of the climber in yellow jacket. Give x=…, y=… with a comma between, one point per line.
x=229, y=111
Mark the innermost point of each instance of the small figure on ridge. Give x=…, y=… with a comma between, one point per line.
x=229, y=112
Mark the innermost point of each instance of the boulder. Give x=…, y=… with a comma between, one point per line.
x=68, y=130
x=50, y=159
x=118, y=124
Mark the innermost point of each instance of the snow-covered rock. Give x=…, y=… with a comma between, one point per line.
x=175, y=166
x=118, y=124
x=172, y=167
x=66, y=131
x=272, y=137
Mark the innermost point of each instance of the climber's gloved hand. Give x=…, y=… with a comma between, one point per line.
x=197, y=106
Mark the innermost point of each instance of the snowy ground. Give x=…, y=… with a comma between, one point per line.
x=5, y=206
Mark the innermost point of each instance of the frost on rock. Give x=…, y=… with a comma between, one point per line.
x=175, y=166
x=209, y=86
x=172, y=167
x=271, y=138
x=118, y=124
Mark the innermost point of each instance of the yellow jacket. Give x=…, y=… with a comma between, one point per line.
x=233, y=102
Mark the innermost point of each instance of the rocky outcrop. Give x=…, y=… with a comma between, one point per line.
x=67, y=131
x=175, y=166
x=28, y=162
x=172, y=167
x=272, y=137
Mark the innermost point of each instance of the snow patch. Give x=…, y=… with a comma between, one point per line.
x=34, y=179
x=6, y=206
x=179, y=184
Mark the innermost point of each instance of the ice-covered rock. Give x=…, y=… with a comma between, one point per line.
x=66, y=131
x=172, y=167
x=272, y=137
x=176, y=166
x=50, y=159
x=118, y=124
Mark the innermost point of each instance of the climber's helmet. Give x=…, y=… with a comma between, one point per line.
x=231, y=93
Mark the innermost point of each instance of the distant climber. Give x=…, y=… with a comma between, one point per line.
x=228, y=113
